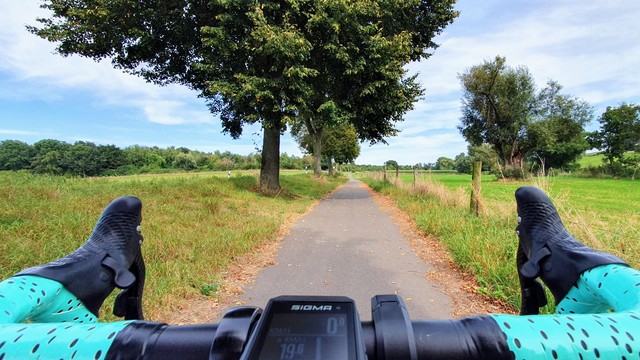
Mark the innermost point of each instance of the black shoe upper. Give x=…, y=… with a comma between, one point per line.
x=110, y=258
x=550, y=252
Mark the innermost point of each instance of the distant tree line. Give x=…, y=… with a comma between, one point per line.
x=83, y=158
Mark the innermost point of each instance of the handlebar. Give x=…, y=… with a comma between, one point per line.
x=390, y=335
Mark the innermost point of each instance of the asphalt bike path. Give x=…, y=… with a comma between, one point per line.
x=348, y=246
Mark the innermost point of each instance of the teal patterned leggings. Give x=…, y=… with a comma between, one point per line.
x=598, y=319
x=40, y=319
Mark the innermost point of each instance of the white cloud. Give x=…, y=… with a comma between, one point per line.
x=579, y=44
x=18, y=132
x=31, y=60
x=170, y=112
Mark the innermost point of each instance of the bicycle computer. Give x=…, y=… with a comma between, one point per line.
x=307, y=328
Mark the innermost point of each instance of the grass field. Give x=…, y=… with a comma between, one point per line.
x=194, y=225
x=591, y=160
x=603, y=213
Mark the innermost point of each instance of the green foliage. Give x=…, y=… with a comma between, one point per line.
x=511, y=172
x=498, y=102
x=15, y=155
x=619, y=132
x=210, y=289
x=391, y=163
x=185, y=162
x=501, y=108
x=444, y=163
x=55, y=157
x=290, y=162
x=557, y=135
x=463, y=163
x=339, y=143
x=486, y=155
x=277, y=63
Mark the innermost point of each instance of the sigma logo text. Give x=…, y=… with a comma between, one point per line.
x=311, y=307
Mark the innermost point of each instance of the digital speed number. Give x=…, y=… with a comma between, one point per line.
x=312, y=336
x=336, y=324
x=316, y=337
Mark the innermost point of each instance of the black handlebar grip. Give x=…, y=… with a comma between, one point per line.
x=151, y=340
x=475, y=338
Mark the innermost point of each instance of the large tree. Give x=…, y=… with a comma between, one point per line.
x=619, y=132
x=272, y=62
x=502, y=108
x=497, y=103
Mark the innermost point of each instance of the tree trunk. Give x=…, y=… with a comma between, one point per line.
x=270, y=165
x=317, y=152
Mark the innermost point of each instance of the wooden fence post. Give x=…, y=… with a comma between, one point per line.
x=385, y=172
x=397, y=173
x=415, y=175
x=476, y=181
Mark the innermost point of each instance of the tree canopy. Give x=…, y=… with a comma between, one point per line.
x=273, y=62
x=502, y=108
x=498, y=102
x=556, y=134
x=15, y=155
x=619, y=132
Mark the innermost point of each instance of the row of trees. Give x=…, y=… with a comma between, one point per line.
x=82, y=158
x=502, y=108
x=286, y=64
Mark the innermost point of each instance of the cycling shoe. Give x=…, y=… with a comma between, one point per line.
x=110, y=258
x=551, y=252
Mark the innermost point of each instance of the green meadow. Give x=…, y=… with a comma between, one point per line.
x=194, y=225
x=197, y=224
x=602, y=213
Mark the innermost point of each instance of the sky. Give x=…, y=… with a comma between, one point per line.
x=592, y=48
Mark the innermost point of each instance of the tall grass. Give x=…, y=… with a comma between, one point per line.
x=194, y=225
x=604, y=214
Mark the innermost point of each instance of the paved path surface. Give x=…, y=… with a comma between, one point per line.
x=348, y=246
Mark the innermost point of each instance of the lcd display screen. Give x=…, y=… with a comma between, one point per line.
x=306, y=332
x=314, y=337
